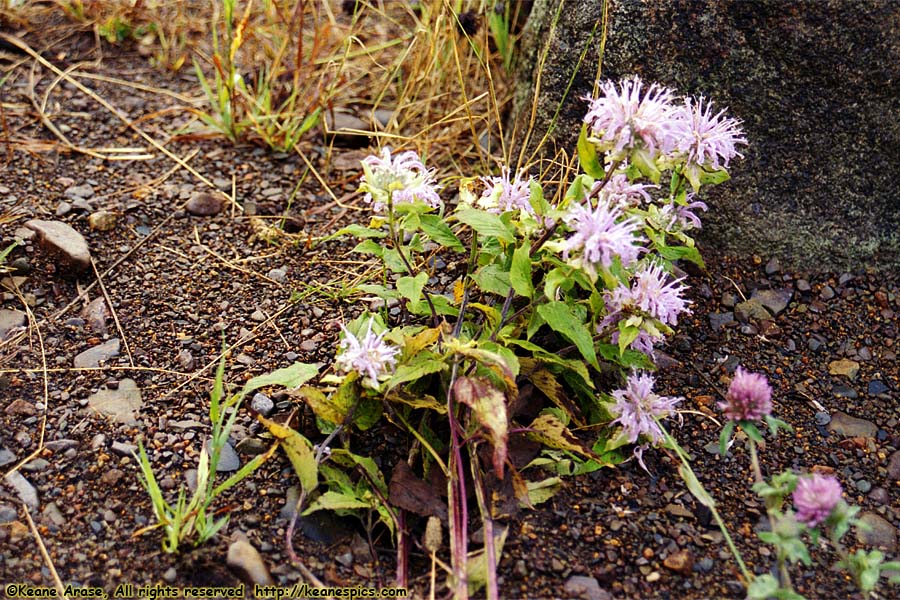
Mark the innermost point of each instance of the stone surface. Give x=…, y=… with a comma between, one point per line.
x=881, y=533
x=245, y=559
x=847, y=368
x=588, y=588
x=10, y=319
x=93, y=356
x=204, y=204
x=847, y=426
x=122, y=404
x=813, y=82
x=751, y=309
x=228, y=458
x=64, y=242
x=893, y=468
x=775, y=300
x=23, y=489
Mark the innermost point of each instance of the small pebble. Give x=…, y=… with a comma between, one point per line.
x=823, y=418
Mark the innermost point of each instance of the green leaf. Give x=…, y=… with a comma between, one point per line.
x=627, y=334
x=299, y=451
x=379, y=290
x=289, y=377
x=714, y=177
x=356, y=230
x=369, y=247
x=423, y=364
x=563, y=320
x=492, y=279
x=520, y=271
x=587, y=156
x=725, y=436
x=485, y=224
x=331, y=500
x=694, y=486
x=477, y=563
x=762, y=587
x=411, y=287
x=440, y=233
x=752, y=432
x=673, y=253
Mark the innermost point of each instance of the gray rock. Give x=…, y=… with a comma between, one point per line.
x=8, y=513
x=93, y=356
x=587, y=588
x=827, y=293
x=822, y=418
x=82, y=191
x=719, y=320
x=11, y=319
x=204, y=204
x=876, y=387
x=52, y=514
x=803, y=285
x=63, y=208
x=122, y=404
x=863, y=485
x=773, y=266
x=880, y=532
x=123, y=449
x=347, y=130
x=185, y=359
x=844, y=391
x=262, y=404
x=64, y=242
x=96, y=313
x=6, y=457
x=278, y=275
x=847, y=426
x=245, y=559
x=893, y=469
x=775, y=300
x=23, y=489
x=808, y=79
x=228, y=458
x=751, y=309
x=61, y=445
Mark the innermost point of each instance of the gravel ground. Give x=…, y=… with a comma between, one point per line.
x=179, y=282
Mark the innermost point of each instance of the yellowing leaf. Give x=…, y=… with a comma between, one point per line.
x=541, y=491
x=459, y=289
x=488, y=404
x=550, y=431
x=299, y=451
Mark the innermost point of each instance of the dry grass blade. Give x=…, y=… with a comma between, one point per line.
x=57, y=582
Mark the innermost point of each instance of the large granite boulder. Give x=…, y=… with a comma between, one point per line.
x=817, y=85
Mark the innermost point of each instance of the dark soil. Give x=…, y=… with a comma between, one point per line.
x=180, y=284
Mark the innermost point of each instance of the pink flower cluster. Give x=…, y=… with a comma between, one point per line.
x=370, y=355
x=635, y=117
x=599, y=235
x=503, y=194
x=815, y=498
x=639, y=408
x=749, y=397
x=398, y=179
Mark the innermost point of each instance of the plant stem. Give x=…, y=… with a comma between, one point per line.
x=456, y=499
x=399, y=248
x=758, y=478
x=493, y=592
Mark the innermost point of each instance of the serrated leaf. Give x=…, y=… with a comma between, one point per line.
x=299, y=451
x=414, y=344
x=587, y=155
x=563, y=320
x=440, y=233
x=411, y=287
x=520, y=271
x=485, y=224
x=321, y=405
x=488, y=404
x=416, y=401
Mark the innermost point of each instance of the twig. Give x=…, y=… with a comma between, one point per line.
x=112, y=310
x=60, y=589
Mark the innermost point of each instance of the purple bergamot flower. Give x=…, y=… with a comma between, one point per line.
x=638, y=408
x=599, y=237
x=631, y=115
x=749, y=397
x=816, y=497
x=370, y=356
x=652, y=293
x=709, y=140
x=398, y=179
x=619, y=191
x=503, y=194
